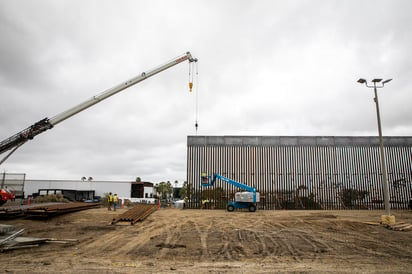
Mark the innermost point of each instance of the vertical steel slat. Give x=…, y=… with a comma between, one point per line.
x=189, y=169
x=269, y=181
x=355, y=176
x=399, y=177
x=274, y=179
x=342, y=177
x=337, y=175
x=396, y=174
x=331, y=179
x=312, y=172
x=376, y=177
x=408, y=171
x=316, y=183
x=287, y=184
x=281, y=166
x=371, y=185
x=401, y=151
x=362, y=175
x=321, y=177
x=284, y=164
x=390, y=176
x=347, y=171
x=366, y=171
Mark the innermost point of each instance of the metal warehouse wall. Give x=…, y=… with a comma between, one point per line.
x=301, y=172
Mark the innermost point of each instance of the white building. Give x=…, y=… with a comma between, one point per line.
x=124, y=189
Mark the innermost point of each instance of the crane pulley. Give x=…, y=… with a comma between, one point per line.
x=193, y=69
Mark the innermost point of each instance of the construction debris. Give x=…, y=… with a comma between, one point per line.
x=400, y=227
x=135, y=214
x=11, y=237
x=10, y=240
x=6, y=228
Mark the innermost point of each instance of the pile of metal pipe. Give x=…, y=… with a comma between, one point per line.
x=135, y=214
x=57, y=209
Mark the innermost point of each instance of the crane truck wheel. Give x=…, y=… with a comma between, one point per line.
x=252, y=208
x=230, y=208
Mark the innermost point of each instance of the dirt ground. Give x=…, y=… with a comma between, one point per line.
x=215, y=241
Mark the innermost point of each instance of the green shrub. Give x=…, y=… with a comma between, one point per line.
x=352, y=197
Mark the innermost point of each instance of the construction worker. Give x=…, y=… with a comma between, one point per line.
x=115, y=201
x=204, y=203
x=109, y=201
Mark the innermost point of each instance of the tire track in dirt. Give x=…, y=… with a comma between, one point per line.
x=278, y=239
x=225, y=238
x=309, y=233
x=203, y=236
x=123, y=238
x=204, y=241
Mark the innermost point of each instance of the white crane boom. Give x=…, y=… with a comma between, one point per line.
x=23, y=136
x=98, y=98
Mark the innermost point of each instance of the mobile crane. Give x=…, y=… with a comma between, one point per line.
x=245, y=199
x=18, y=139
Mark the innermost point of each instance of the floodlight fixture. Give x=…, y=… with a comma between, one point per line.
x=386, y=81
x=376, y=80
x=361, y=81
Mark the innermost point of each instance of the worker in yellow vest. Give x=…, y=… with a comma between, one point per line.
x=115, y=201
x=109, y=201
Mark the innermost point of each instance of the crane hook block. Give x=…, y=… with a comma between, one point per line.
x=190, y=86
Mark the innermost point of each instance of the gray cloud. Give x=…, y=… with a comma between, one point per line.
x=265, y=68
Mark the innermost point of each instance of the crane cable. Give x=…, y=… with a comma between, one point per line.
x=194, y=66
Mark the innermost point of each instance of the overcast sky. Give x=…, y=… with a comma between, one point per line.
x=265, y=68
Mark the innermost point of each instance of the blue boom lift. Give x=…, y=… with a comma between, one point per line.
x=246, y=199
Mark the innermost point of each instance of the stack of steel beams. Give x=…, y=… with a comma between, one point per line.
x=11, y=212
x=56, y=209
x=135, y=214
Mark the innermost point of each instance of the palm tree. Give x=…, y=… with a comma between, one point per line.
x=164, y=189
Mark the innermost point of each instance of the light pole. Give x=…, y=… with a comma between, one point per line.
x=383, y=163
